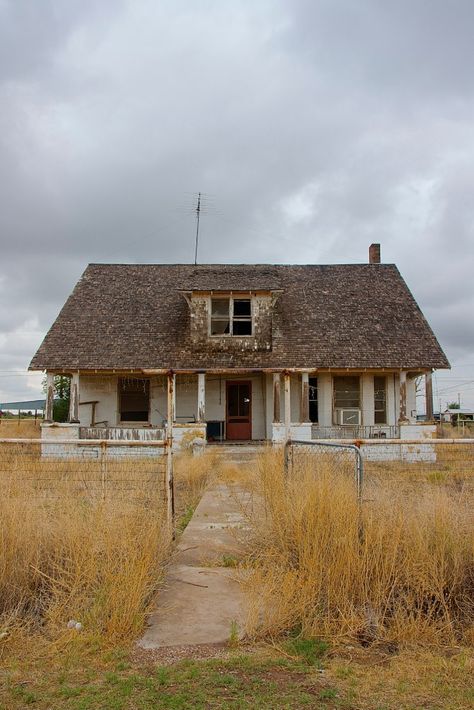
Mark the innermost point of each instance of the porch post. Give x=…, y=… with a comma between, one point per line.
x=73, y=416
x=429, y=396
x=304, y=405
x=287, y=405
x=403, y=398
x=201, y=404
x=48, y=412
x=276, y=398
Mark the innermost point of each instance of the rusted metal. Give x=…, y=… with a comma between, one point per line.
x=353, y=447
x=163, y=443
x=90, y=442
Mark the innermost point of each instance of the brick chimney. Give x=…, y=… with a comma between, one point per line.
x=374, y=254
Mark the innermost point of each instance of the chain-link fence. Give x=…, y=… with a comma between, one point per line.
x=325, y=457
x=135, y=473
x=437, y=462
x=448, y=462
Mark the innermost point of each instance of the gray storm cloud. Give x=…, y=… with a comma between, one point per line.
x=315, y=127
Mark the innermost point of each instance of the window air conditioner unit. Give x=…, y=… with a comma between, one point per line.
x=349, y=417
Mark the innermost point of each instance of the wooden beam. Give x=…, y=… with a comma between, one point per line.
x=403, y=398
x=48, y=413
x=201, y=404
x=287, y=405
x=429, y=396
x=73, y=416
x=276, y=398
x=304, y=405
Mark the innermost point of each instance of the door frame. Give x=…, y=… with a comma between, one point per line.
x=237, y=382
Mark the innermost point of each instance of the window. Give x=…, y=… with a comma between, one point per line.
x=313, y=400
x=231, y=316
x=346, y=393
x=347, y=401
x=134, y=399
x=380, y=400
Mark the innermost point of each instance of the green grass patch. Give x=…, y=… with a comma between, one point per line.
x=263, y=680
x=311, y=651
x=185, y=518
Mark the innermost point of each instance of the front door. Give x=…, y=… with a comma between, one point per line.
x=239, y=410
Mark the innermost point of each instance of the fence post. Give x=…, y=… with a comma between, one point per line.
x=169, y=453
x=288, y=457
x=359, y=473
x=103, y=467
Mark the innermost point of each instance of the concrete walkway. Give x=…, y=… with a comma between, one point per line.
x=201, y=602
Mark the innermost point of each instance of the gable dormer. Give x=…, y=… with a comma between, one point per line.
x=231, y=320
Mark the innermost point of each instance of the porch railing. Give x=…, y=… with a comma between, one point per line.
x=378, y=431
x=122, y=433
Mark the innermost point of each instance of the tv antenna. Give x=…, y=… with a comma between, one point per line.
x=198, y=216
x=200, y=204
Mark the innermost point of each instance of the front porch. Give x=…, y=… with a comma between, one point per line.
x=237, y=405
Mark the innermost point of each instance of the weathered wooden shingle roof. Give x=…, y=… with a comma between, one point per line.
x=133, y=316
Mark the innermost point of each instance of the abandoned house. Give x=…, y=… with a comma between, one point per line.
x=241, y=352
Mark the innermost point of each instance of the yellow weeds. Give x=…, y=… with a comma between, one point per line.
x=400, y=568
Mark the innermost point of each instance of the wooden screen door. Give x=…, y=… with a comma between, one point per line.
x=239, y=410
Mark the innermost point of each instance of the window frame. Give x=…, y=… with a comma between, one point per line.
x=339, y=407
x=133, y=422
x=313, y=385
x=385, y=409
x=242, y=319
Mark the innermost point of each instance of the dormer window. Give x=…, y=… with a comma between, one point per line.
x=231, y=316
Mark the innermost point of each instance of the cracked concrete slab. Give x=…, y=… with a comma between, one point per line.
x=202, y=601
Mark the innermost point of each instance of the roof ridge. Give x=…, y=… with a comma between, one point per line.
x=198, y=266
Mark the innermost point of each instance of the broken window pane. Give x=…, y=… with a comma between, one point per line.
x=134, y=395
x=242, y=316
x=242, y=307
x=220, y=327
x=220, y=307
x=231, y=316
x=380, y=400
x=242, y=327
x=220, y=320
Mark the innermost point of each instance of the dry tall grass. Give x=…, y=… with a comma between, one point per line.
x=398, y=569
x=82, y=541
x=20, y=428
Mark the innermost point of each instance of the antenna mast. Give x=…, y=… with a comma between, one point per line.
x=198, y=215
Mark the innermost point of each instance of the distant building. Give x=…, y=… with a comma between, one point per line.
x=453, y=415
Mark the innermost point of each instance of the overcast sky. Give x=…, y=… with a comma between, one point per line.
x=315, y=127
